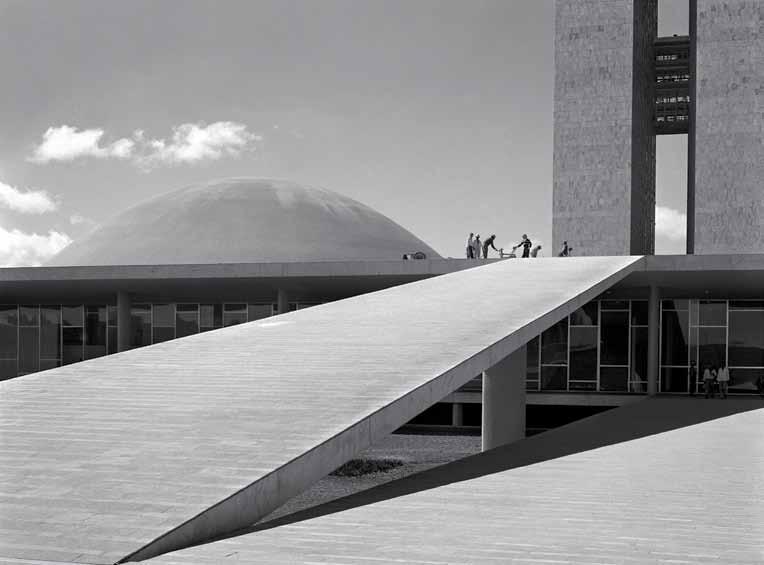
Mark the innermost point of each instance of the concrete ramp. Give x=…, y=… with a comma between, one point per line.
x=152, y=450
x=692, y=496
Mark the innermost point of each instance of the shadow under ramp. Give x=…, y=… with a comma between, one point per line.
x=645, y=418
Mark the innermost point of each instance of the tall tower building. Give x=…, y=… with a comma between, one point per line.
x=604, y=145
x=729, y=126
x=618, y=85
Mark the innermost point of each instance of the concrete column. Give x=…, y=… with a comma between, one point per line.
x=653, y=339
x=282, y=301
x=457, y=414
x=123, y=321
x=504, y=401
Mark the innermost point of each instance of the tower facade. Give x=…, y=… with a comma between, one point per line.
x=604, y=144
x=729, y=127
x=617, y=86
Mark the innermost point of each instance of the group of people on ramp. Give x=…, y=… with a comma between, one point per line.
x=477, y=250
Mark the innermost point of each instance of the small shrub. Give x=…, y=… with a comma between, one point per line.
x=360, y=467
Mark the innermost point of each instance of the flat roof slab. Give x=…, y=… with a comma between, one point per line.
x=173, y=443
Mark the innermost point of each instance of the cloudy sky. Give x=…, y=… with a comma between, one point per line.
x=438, y=113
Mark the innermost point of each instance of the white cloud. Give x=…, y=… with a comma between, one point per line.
x=670, y=224
x=191, y=143
x=78, y=219
x=66, y=143
x=21, y=249
x=26, y=201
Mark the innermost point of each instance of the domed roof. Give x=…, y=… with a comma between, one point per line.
x=243, y=220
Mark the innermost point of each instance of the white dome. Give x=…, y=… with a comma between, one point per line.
x=240, y=221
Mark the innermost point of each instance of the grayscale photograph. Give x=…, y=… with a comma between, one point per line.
x=347, y=282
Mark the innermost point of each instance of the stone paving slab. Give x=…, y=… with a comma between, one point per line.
x=187, y=439
x=689, y=496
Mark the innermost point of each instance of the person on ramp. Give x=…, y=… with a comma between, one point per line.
x=489, y=243
x=471, y=246
x=526, y=244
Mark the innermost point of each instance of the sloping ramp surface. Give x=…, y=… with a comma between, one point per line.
x=646, y=417
x=152, y=450
x=693, y=495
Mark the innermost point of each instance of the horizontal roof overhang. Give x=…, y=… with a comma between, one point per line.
x=678, y=276
x=224, y=281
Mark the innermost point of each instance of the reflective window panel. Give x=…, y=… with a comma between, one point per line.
x=712, y=347
x=186, y=319
x=583, y=353
x=72, y=316
x=638, y=357
x=46, y=364
x=615, y=338
x=639, y=312
x=163, y=334
x=554, y=377
x=29, y=316
x=746, y=304
x=674, y=379
x=95, y=331
x=614, y=379
x=259, y=311
x=211, y=315
x=712, y=313
x=113, y=342
x=113, y=316
x=614, y=304
x=587, y=315
x=746, y=338
x=675, y=304
x=50, y=332
x=532, y=364
x=29, y=350
x=9, y=320
x=674, y=337
x=72, y=340
x=747, y=380
x=140, y=325
x=554, y=344
x=163, y=316
x=234, y=314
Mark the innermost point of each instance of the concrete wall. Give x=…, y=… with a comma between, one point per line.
x=602, y=204
x=642, y=133
x=729, y=158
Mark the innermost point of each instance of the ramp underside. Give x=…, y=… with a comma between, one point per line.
x=168, y=445
x=690, y=495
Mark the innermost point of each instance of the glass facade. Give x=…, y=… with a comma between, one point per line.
x=712, y=333
x=601, y=347
x=38, y=337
